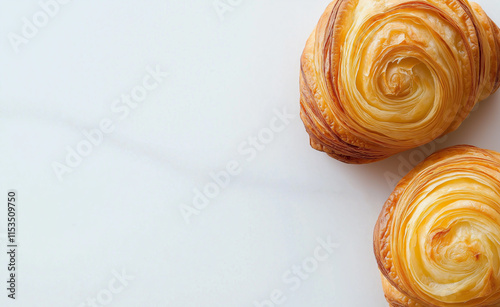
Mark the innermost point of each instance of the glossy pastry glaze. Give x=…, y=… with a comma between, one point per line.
x=382, y=76
x=437, y=240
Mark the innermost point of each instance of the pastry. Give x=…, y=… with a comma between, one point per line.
x=382, y=76
x=437, y=239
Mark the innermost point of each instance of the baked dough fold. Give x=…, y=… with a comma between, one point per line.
x=382, y=76
x=437, y=240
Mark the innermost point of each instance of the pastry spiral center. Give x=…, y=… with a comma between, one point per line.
x=457, y=245
x=452, y=251
x=406, y=76
x=398, y=80
x=400, y=83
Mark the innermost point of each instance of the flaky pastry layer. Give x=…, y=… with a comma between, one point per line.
x=437, y=240
x=382, y=76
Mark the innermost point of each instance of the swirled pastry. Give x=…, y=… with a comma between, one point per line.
x=382, y=76
x=437, y=240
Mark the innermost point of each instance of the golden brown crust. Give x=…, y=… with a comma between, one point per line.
x=437, y=239
x=396, y=298
x=380, y=77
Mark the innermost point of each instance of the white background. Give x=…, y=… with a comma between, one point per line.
x=119, y=208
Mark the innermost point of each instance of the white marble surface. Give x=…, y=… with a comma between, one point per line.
x=119, y=207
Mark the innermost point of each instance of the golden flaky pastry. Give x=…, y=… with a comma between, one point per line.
x=382, y=76
x=437, y=240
